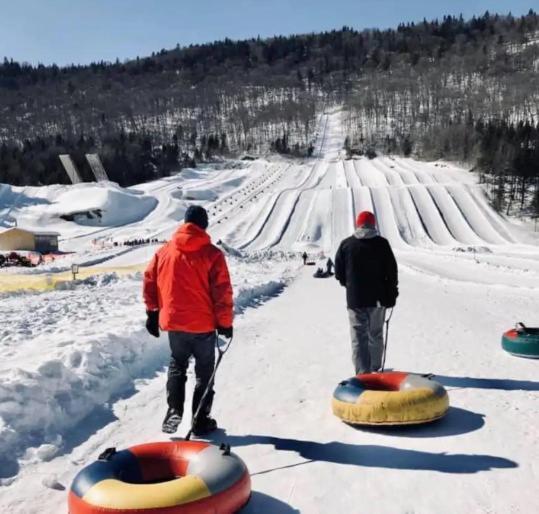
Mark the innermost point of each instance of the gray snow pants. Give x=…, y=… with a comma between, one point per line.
x=367, y=332
x=183, y=345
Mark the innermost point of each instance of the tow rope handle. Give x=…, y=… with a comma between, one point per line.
x=221, y=352
x=107, y=454
x=386, y=322
x=521, y=327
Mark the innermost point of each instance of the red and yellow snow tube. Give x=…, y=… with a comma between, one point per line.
x=392, y=398
x=183, y=477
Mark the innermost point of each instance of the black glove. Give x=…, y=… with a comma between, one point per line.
x=225, y=331
x=152, y=323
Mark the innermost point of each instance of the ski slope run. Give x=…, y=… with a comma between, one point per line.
x=314, y=207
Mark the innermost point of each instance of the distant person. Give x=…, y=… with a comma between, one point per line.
x=366, y=266
x=329, y=266
x=188, y=293
x=304, y=256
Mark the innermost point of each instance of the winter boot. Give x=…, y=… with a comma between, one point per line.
x=172, y=421
x=204, y=425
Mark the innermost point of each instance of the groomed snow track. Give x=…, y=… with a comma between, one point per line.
x=313, y=206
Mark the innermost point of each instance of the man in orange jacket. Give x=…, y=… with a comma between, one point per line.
x=187, y=292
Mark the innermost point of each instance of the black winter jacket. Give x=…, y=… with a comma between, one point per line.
x=368, y=270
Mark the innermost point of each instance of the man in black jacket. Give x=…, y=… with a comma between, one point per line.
x=366, y=266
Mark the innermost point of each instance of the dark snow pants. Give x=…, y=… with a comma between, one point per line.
x=367, y=333
x=183, y=345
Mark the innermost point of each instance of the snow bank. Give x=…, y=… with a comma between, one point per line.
x=103, y=204
x=44, y=405
x=254, y=296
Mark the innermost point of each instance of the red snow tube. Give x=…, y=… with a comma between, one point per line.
x=182, y=477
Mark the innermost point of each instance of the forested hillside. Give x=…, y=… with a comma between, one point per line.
x=433, y=88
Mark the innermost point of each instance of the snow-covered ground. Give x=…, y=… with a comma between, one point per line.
x=79, y=373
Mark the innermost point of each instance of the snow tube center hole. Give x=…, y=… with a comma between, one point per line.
x=381, y=381
x=156, y=470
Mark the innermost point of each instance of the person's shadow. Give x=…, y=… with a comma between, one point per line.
x=503, y=384
x=371, y=456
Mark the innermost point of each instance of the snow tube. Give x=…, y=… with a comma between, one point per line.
x=522, y=341
x=180, y=477
x=391, y=398
x=320, y=273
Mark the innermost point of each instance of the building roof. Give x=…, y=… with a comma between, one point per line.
x=34, y=232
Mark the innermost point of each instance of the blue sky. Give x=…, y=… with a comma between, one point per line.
x=81, y=31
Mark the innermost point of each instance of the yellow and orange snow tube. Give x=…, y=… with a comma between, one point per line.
x=391, y=398
x=183, y=477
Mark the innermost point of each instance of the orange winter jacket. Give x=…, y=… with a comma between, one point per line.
x=188, y=282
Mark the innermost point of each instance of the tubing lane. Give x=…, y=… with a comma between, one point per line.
x=437, y=211
x=317, y=224
x=298, y=228
x=264, y=225
x=290, y=230
x=407, y=176
x=439, y=174
x=422, y=176
x=414, y=224
x=452, y=215
x=343, y=216
x=494, y=218
x=431, y=216
x=409, y=222
x=362, y=200
x=369, y=175
x=473, y=215
x=392, y=176
x=246, y=215
x=250, y=191
x=340, y=175
x=351, y=174
x=277, y=220
x=386, y=216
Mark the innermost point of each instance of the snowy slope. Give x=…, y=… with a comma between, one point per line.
x=80, y=373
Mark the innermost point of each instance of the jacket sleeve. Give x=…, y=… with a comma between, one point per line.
x=340, y=268
x=149, y=289
x=221, y=292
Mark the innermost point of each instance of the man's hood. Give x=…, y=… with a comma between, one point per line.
x=365, y=233
x=190, y=238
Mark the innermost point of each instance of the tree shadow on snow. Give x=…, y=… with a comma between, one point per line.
x=457, y=421
x=263, y=504
x=504, y=384
x=375, y=456
x=9, y=467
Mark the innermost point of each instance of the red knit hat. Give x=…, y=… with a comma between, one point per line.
x=366, y=219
